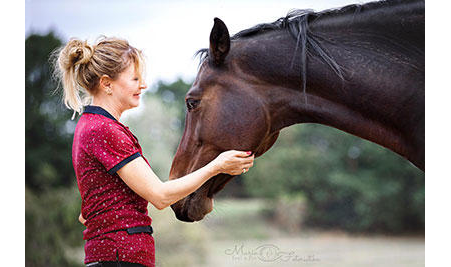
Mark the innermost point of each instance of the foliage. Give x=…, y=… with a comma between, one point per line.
x=52, y=203
x=48, y=130
x=52, y=226
x=349, y=183
x=173, y=95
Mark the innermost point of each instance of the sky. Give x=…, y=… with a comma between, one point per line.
x=168, y=32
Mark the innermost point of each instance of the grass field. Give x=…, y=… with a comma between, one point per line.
x=237, y=233
x=240, y=236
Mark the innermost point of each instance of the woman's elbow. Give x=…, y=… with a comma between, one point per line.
x=161, y=205
x=161, y=201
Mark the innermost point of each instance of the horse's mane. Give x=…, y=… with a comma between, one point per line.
x=293, y=21
x=296, y=22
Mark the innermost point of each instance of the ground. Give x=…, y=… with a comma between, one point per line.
x=241, y=237
x=237, y=233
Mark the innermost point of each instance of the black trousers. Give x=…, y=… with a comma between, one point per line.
x=113, y=264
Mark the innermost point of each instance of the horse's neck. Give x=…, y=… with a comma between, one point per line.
x=381, y=99
x=288, y=107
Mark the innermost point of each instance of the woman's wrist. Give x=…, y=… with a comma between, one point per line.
x=213, y=168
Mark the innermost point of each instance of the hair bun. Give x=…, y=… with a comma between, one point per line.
x=78, y=52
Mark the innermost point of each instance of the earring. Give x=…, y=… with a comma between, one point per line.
x=109, y=92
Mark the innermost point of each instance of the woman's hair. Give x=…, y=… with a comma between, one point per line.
x=79, y=66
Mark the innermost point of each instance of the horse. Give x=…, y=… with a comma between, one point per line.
x=359, y=68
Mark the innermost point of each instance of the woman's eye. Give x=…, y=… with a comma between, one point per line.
x=192, y=103
x=135, y=79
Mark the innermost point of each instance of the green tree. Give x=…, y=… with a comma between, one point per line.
x=48, y=132
x=52, y=200
x=349, y=183
x=173, y=94
x=158, y=128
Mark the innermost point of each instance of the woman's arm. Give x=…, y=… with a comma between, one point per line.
x=143, y=181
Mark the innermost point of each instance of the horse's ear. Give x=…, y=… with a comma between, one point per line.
x=219, y=42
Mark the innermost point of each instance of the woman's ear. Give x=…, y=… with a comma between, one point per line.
x=106, y=84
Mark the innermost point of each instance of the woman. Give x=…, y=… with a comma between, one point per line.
x=114, y=178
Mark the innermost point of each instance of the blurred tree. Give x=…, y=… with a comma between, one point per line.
x=349, y=183
x=158, y=129
x=48, y=130
x=52, y=227
x=173, y=94
x=52, y=200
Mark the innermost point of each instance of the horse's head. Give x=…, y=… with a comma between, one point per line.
x=224, y=111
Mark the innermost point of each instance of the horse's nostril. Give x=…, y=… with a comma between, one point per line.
x=181, y=211
x=183, y=217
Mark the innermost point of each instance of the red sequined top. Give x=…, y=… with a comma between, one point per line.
x=102, y=145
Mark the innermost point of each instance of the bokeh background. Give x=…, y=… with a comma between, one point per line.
x=319, y=196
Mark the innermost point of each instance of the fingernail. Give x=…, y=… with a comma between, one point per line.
x=249, y=152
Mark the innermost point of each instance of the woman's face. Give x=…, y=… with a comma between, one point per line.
x=127, y=88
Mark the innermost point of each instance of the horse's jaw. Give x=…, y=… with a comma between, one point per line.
x=193, y=207
x=267, y=143
x=217, y=183
x=187, y=217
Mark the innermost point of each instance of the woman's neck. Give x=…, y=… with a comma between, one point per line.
x=109, y=106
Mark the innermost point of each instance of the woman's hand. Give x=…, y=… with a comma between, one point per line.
x=81, y=219
x=233, y=162
x=138, y=175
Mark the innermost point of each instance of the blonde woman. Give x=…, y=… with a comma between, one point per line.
x=114, y=178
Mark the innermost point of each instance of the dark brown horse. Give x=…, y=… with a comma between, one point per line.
x=359, y=69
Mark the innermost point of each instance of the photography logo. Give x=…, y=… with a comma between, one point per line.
x=267, y=253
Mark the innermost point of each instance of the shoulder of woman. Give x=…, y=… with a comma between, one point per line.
x=104, y=128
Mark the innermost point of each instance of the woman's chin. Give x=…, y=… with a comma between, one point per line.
x=134, y=104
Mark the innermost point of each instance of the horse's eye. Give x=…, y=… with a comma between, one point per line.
x=192, y=103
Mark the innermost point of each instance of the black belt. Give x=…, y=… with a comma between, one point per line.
x=140, y=229
x=113, y=264
x=132, y=230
